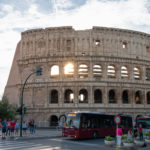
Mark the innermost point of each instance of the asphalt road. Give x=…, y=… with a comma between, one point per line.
x=58, y=144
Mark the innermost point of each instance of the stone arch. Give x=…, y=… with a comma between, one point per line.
x=97, y=70
x=68, y=96
x=124, y=72
x=138, y=97
x=54, y=71
x=112, y=96
x=53, y=120
x=54, y=96
x=148, y=97
x=147, y=75
x=111, y=71
x=83, y=70
x=137, y=73
x=97, y=96
x=83, y=96
x=69, y=70
x=125, y=97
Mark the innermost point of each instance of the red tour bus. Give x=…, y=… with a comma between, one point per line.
x=86, y=124
x=144, y=121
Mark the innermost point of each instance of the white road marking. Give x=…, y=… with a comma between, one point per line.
x=75, y=142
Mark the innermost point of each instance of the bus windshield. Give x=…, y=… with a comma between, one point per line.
x=73, y=120
x=145, y=122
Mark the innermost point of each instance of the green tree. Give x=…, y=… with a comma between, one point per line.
x=7, y=110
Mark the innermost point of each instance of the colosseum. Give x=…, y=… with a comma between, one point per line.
x=99, y=69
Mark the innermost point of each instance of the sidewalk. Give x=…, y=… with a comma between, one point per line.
x=40, y=133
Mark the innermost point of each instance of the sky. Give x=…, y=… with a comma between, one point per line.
x=17, y=16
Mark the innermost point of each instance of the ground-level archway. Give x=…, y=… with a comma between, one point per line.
x=53, y=120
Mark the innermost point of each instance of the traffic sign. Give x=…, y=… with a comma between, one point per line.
x=117, y=119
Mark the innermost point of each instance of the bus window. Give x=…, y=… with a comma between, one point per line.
x=108, y=121
x=94, y=123
x=73, y=120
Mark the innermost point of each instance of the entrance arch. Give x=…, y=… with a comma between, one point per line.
x=53, y=120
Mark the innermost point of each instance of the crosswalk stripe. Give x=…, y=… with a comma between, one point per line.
x=80, y=143
x=41, y=148
x=20, y=146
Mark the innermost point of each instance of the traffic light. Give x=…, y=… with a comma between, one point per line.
x=39, y=71
x=25, y=110
x=19, y=110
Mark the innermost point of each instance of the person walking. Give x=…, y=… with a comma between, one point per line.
x=130, y=135
x=24, y=127
x=135, y=132
x=12, y=128
x=119, y=136
x=8, y=127
x=4, y=128
x=17, y=126
x=140, y=132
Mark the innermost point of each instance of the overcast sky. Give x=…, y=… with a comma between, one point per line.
x=17, y=16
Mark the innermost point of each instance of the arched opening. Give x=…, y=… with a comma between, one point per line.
x=125, y=99
x=97, y=71
x=136, y=73
x=97, y=96
x=138, y=97
x=124, y=72
x=69, y=96
x=83, y=96
x=147, y=74
x=112, y=96
x=53, y=120
x=83, y=71
x=111, y=71
x=69, y=70
x=54, y=71
x=148, y=97
x=54, y=96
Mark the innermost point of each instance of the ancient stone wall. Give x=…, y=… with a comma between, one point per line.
x=109, y=69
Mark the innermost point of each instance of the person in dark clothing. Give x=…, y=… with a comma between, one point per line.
x=141, y=132
x=4, y=128
x=135, y=132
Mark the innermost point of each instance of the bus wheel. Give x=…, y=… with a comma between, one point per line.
x=95, y=134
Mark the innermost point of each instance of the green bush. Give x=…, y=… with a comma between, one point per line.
x=124, y=136
x=146, y=134
x=109, y=138
x=128, y=141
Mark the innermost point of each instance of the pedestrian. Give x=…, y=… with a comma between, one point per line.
x=32, y=126
x=8, y=127
x=4, y=127
x=130, y=135
x=12, y=128
x=24, y=127
x=135, y=132
x=140, y=132
x=29, y=126
x=17, y=126
x=119, y=136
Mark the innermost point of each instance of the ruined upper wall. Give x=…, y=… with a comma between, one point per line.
x=99, y=41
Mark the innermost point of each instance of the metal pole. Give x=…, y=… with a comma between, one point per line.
x=21, y=102
x=117, y=134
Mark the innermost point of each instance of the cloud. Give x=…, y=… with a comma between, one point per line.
x=129, y=14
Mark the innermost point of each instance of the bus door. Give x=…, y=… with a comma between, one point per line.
x=85, y=130
x=108, y=126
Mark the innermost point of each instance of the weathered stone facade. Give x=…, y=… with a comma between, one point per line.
x=110, y=69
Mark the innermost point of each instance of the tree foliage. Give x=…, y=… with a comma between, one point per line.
x=7, y=110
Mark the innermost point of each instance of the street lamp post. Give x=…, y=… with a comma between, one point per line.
x=38, y=72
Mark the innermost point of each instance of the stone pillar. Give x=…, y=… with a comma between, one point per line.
x=105, y=96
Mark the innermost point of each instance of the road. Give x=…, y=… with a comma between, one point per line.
x=57, y=144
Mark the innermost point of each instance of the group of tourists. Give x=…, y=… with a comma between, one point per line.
x=131, y=135
x=11, y=127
